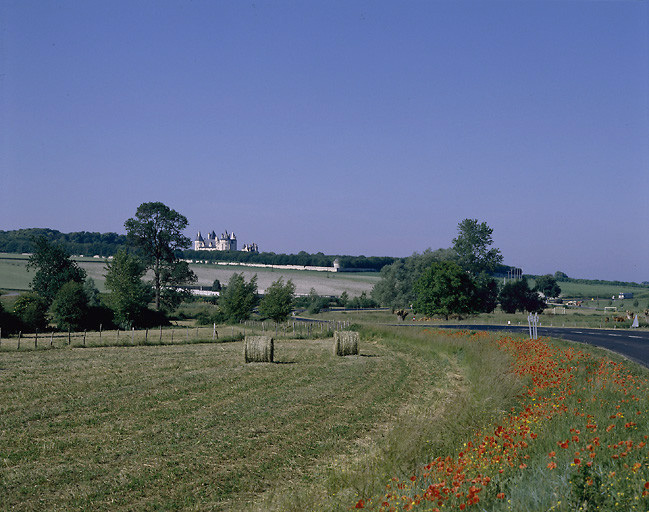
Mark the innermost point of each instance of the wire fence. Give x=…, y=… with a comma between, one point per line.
x=169, y=335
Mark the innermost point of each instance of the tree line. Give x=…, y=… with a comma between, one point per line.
x=62, y=293
x=458, y=281
x=82, y=242
x=302, y=258
x=108, y=244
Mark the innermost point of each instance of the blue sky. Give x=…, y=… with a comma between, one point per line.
x=346, y=127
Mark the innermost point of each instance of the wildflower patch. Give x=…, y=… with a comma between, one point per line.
x=577, y=441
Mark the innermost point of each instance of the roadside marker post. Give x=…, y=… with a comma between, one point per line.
x=533, y=323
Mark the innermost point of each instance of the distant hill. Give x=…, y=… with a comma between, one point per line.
x=82, y=242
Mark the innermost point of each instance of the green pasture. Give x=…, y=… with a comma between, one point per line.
x=564, y=317
x=601, y=292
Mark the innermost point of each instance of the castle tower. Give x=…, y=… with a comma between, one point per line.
x=199, y=242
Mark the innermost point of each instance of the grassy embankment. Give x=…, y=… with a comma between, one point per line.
x=576, y=441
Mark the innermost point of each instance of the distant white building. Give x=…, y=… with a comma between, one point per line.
x=225, y=242
x=253, y=247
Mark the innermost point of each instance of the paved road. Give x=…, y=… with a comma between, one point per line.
x=633, y=344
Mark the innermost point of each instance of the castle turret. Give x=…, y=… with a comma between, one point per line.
x=199, y=242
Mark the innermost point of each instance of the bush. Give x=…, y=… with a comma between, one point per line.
x=31, y=310
x=9, y=323
x=70, y=306
x=209, y=316
x=363, y=301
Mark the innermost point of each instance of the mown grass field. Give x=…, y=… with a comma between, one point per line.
x=192, y=427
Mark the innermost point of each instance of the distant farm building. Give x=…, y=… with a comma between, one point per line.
x=225, y=242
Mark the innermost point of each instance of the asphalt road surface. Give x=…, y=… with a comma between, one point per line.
x=633, y=344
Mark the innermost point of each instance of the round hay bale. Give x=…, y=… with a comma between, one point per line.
x=346, y=343
x=259, y=349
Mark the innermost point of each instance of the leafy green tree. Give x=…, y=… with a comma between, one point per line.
x=344, y=298
x=157, y=231
x=129, y=296
x=54, y=268
x=216, y=286
x=444, y=289
x=239, y=298
x=277, y=302
x=315, y=302
x=486, y=293
x=174, y=276
x=561, y=276
x=548, y=286
x=395, y=289
x=472, y=247
x=517, y=296
x=31, y=310
x=70, y=307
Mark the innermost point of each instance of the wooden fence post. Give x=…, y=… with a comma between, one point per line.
x=133, y=335
x=100, y=329
x=84, y=337
x=146, y=335
x=52, y=340
x=20, y=334
x=69, y=339
x=172, y=335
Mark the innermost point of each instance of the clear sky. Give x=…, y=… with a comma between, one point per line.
x=348, y=127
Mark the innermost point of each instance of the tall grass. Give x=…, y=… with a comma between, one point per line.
x=576, y=440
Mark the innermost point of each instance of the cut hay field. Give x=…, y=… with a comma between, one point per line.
x=191, y=427
x=14, y=276
x=419, y=420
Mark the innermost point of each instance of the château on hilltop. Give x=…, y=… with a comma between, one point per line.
x=225, y=242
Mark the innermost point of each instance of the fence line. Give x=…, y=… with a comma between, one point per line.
x=169, y=335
